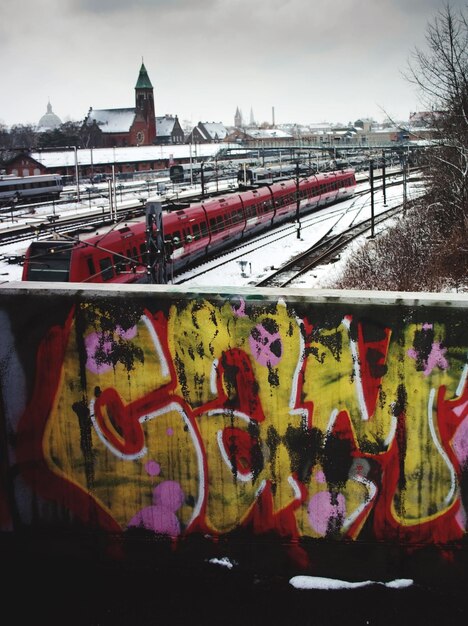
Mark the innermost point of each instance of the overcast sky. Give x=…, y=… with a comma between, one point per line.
x=310, y=60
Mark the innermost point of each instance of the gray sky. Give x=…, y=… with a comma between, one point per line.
x=312, y=60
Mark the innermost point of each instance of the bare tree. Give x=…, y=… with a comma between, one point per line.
x=441, y=73
x=427, y=250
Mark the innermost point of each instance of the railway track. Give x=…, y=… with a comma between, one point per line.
x=273, y=238
x=322, y=251
x=243, y=248
x=73, y=225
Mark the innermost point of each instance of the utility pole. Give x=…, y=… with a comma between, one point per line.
x=77, y=175
x=202, y=179
x=371, y=180
x=298, y=203
x=405, y=180
x=113, y=193
x=384, y=189
x=109, y=190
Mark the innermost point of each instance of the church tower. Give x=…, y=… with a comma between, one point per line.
x=238, y=119
x=145, y=119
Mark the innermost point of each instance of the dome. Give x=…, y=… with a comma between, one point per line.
x=49, y=120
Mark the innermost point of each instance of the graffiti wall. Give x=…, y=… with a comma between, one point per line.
x=331, y=417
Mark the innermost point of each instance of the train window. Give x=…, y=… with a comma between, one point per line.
x=135, y=253
x=107, y=270
x=204, y=230
x=91, y=268
x=219, y=223
x=196, y=231
x=212, y=224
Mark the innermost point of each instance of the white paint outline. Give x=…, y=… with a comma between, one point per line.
x=430, y=418
x=357, y=373
x=244, y=477
x=462, y=382
x=371, y=491
x=295, y=487
x=214, y=376
x=157, y=344
x=293, y=409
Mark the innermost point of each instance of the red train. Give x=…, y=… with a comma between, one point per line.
x=175, y=240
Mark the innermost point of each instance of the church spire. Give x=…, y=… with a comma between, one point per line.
x=144, y=125
x=238, y=118
x=143, y=81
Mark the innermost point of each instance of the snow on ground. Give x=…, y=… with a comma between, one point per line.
x=254, y=265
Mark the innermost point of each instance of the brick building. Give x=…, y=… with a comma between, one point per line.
x=136, y=126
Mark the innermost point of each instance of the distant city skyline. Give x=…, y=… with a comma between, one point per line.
x=311, y=62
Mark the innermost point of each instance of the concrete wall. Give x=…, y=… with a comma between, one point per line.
x=301, y=415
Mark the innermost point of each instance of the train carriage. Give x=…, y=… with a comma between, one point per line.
x=24, y=189
x=226, y=221
x=285, y=196
x=258, y=209
x=190, y=234
x=186, y=235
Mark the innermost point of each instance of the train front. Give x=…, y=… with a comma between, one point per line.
x=48, y=261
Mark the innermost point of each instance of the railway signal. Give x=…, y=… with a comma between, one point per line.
x=156, y=257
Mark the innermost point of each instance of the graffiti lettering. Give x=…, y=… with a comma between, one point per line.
x=216, y=416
